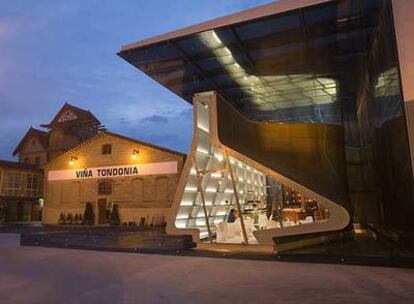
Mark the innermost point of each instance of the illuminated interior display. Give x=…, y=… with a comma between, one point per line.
x=218, y=188
x=228, y=198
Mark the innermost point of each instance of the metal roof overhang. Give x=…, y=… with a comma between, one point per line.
x=276, y=7
x=286, y=56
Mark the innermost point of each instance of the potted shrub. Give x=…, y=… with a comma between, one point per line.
x=62, y=219
x=69, y=219
x=114, y=219
x=88, y=215
x=76, y=219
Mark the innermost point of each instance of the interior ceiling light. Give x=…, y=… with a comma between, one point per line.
x=272, y=92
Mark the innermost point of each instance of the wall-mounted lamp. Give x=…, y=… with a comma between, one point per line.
x=72, y=160
x=134, y=154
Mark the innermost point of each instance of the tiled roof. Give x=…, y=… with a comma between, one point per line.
x=144, y=143
x=84, y=116
x=101, y=133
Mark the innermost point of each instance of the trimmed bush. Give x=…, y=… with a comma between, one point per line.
x=88, y=215
x=114, y=219
x=62, y=219
x=69, y=219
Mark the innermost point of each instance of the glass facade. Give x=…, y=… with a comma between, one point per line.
x=330, y=64
x=383, y=131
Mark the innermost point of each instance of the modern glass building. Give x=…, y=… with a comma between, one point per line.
x=303, y=120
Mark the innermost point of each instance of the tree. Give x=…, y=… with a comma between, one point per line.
x=62, y=219
x=69, y=218
x=88, y=215
x=114, y=220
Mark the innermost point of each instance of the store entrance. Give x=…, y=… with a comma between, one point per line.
x=101, y=211
x=36, y=213
x=20, y=211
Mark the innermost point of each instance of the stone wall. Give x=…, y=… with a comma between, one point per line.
x=31, y=150
x=148, y=196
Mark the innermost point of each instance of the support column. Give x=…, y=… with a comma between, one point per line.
x=203, y=201
x=236, y=196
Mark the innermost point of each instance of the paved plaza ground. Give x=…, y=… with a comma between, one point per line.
x=48, y=275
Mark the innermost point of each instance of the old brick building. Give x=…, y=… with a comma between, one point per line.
x=74, y=162
x=108, y=169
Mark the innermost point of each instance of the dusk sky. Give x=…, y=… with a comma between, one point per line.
x=53, y=52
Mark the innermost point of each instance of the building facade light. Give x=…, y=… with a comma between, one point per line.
x=134, y=155
x=72, y=160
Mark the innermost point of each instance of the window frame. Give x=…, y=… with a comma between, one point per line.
x=33, y=184
x=106, y=149
x=105, y=187
x=12, y=184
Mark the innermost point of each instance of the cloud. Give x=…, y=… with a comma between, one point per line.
x=56, y=51
x=168, y=116
x=187, y=113
x=155, y=119
x=170, y=128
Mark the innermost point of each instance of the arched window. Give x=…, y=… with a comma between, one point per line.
x=137, y=190
x=161, y=189
x=105, y=187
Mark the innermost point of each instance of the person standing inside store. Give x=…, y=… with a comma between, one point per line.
x=231, y=218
